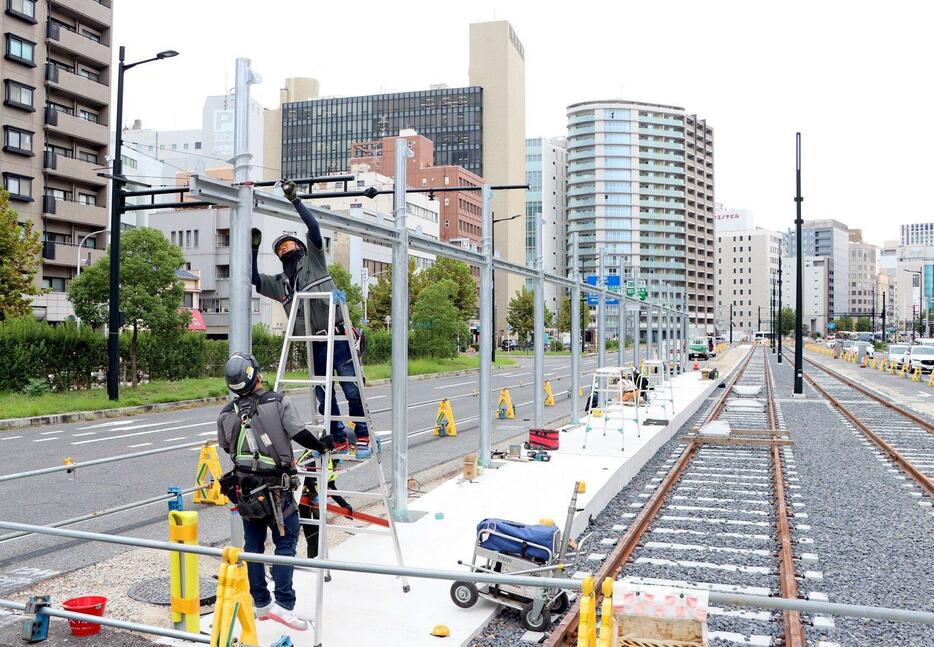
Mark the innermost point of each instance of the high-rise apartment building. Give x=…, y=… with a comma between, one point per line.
x=747, y=265
x=55, y=120
x=864, y=271
x=546, y=161
x=829, y=238
x=641, y=191
x=918, y=233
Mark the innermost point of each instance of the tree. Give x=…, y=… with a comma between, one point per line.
x=521, y=313
x=379, y=297
x=354, y=292
x=465, y=297
x=786, y=323
x=150, y=294
x=564, y=315
x=844, y=323
x=864, y=324
x=20, y=259
x=437, y=327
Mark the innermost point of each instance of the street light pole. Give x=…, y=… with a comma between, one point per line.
x=799, y=279
x=116, y=211
x=779, y=310
x=81, y=246
x=493, y=278
x=731, y=324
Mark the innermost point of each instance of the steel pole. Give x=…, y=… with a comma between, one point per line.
x=731, y=324
x=621, y=309
x=400, y=341
x=575, y=330
x=116, y=211
x=486, y=328
x=779, y=308
x=883, y=316
x=241, y=216
x=649, y=337
x=658, y=337
x=601, y=310
x=538, y=362
x=684, y=331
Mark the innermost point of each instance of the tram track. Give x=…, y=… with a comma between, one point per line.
x=719, y=519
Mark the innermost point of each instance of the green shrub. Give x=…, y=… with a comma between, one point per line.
x=36, y=387
x=378, y=347
x=65, y=354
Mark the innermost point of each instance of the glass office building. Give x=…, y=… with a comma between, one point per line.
x=317, y=135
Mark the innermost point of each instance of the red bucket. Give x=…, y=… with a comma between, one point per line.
x=92, y=605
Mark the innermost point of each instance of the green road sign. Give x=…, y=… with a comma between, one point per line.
x=643, y=291
x=630, y=287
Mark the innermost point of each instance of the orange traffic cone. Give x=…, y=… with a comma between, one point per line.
x=696, y=367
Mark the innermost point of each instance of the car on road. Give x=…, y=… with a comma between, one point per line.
x=920, y=357
x=509, y=344
x=896, y=354
x=697, y=348
x=830, y=343
x=864, y=347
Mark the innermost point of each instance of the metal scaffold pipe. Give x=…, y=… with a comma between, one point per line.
x=601, y=310
x=538, y=362
x=621, y=313
x=486, y=328
x=575, y=329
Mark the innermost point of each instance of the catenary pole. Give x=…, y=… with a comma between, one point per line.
x=621, y=309
x=637, y=326
x=116, y=210
x=658, y=337
x=400, y=341
x=731, y=324
x=778, y=308
x=486, y=327
x=575, y=329
x=799, y=281
x=241, y=216
x=649, y=336
x=601, y=310
x=538, y=356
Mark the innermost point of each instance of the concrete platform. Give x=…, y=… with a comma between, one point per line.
x=372, y=610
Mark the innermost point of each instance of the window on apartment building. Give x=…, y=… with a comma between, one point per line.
x=20, y=50
x=17, y=141
x=188, y=300
x=90, y=35
x=196, y=238
x=89, y=74
x=19, y=95
x=222, y=271
x=53, y=283
x=23, y=9
x=197, y=146
x=89, y=115
x=89, y=199
x=58, y=194
x=173, y=238
x=187, y=238
x=18, y=186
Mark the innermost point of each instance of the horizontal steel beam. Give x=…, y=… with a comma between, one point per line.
x=309, y=180
x=818, y=606
x=168, y=205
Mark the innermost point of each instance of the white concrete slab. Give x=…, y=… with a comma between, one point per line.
x=363, y=609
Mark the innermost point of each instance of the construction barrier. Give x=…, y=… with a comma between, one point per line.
x=882, y=364
x=609, y=628
x=549, y=395
x=444, y=419
x=209, y=465
x=183, y=572
x=587, y=624
x=234, y=603
x=505, y=409
x=904, y=371
x=916, y=375
x=931, y=379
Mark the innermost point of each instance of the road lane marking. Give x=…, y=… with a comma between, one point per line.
x=49, y=433
x=168, y=440
x=142, y=433
x=450, y=386
x=375, y=397
x=208, y=433
x=10, y=437
x=42, y=440
x=118, y=423
x=87, y=433
x=922, y=393
x=140, y=445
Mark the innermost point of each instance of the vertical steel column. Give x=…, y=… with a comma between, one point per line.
x=601, y=310
x=575, y=330
x=400, y=342
x=241, y=216
x=486, y=328
x=621, y=308
x=649, y=337
x=538, y=361
x=799, y=280
x=684, y=330
x=658, y=339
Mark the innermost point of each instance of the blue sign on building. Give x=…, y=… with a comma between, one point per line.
x=612, y=284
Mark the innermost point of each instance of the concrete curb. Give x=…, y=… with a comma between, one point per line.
x=78, y=416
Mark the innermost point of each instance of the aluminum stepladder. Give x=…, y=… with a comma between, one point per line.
x=335, y=299
x=659, y=375
x=607, y=383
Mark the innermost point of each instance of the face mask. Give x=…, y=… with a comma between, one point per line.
x=292, y=257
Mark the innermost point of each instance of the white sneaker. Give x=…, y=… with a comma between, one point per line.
x=260, y=612
x=283, y=616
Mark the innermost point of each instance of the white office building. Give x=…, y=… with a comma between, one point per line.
x=546, y=162
x=918, y=233
x=829, y=238
x=864, y=273
x=816, y=291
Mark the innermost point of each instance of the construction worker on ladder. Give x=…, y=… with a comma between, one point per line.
x=257, y=430
x=305, y=269
x=310, y=504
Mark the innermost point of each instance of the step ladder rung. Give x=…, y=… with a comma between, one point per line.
x=319, y=381
x=307, y=338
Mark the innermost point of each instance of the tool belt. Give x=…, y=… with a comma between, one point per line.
x=260, y=496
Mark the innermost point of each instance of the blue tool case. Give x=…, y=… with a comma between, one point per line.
x=535, y=542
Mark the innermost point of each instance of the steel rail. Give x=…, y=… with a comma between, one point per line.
x=788, y=585
x=918, y=420
x=903, y=463
x=565, y=634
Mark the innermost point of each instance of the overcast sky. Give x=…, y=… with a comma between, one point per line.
x=853, y=77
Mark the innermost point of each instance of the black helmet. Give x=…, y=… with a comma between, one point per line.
x=284, y=237
x=241, y=373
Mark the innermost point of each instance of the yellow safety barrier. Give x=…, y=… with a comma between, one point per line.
x=587, y=624
x=931, y=379
x=505, y=409
x=916, y=376
x=892, y=367
x=549, y=395
x=904, y=370
x=233, y=603
x=865, y=362
x=882, y=364
x=609, y=631
x=209, y=465
x=444, y=420
x=183, y=572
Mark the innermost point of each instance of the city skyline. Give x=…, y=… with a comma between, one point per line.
x=761, y=83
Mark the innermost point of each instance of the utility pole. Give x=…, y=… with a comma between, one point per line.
x=779, y=309
x=772, y=325
x=799, y=275
x=883, y=317
x=759, y=319
x=731, y=324
x=487, y=325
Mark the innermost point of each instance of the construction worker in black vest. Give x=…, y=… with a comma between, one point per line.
x=257, y=430
x=305, y=269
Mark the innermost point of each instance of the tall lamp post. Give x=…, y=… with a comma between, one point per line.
x=778, y=309
x=493, y=282
x=799, y=278
x=116, y=211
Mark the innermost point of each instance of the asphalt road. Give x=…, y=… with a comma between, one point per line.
x=50, y=498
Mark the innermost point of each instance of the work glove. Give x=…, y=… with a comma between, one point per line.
x=328, y=441
x=290, y=190
x=257, y=238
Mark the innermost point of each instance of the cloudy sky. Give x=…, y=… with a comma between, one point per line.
x=854, y=77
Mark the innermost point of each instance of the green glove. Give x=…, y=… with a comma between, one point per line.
x=290, y=190
x=257, y=238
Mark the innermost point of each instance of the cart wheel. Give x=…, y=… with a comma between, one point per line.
x=464, y=594
x=560, y=604
x=539, y=623
x=526, y=445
